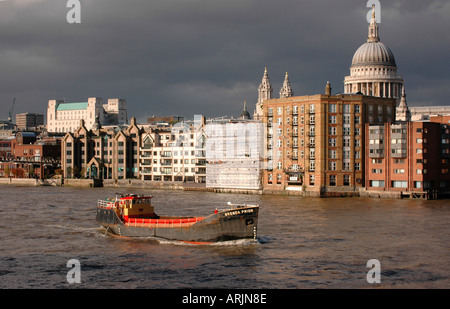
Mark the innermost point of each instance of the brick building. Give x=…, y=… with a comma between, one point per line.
x=410, y=158
x=316, y=143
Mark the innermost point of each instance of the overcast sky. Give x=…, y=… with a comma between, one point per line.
x=187, y=57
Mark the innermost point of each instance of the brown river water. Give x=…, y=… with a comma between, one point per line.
x=302, y=243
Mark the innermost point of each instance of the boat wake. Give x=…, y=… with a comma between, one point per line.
x=237, y=242
x=74, y=228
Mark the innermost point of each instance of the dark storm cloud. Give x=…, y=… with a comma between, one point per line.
x=186, y=57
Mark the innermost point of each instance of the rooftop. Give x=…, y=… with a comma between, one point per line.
x=72, y=106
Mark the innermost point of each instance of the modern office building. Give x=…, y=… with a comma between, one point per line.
x=28, y=121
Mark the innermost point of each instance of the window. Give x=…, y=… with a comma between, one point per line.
x=399, y=184
x=312, y=165
x=399, y=171
x=332, y=108
x=332, y=165
x=332, y=154
x=347, y=119
x=377, y=183
x=346, y=180
x=311, y=179
x=377, y=171
x=346, y=141
x=357, y=166
x=280, y=165
x=332, y=119
x=357, y=109
x=346, y=109
x=332, y=130
x=332, y=180
x=332, y=142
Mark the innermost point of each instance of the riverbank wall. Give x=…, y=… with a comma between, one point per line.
x=201, y=187
x=30, y=182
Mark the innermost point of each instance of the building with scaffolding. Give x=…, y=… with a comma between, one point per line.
x=234, y=153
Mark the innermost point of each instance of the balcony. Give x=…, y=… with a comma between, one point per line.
x=146, y=163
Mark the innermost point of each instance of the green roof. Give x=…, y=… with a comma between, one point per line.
x=72, y=106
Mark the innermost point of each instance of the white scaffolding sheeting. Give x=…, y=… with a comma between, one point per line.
x=234, y=155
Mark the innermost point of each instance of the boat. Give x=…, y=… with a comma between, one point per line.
x=131, y=215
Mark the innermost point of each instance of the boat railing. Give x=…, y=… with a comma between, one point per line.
x=137, y=222
x=106, y=204
x=241, y=205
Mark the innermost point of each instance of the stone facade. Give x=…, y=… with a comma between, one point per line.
x=65, y=117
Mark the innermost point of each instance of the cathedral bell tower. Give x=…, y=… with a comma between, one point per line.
x=265, y=91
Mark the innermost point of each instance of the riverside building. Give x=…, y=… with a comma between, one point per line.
x=234, y=152
x=65, y=117
x=316, y=143
x=174, y=153
x=144, y=152
x=408, y=159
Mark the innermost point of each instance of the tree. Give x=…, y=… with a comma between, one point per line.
x=69, y=172
x=7, y=171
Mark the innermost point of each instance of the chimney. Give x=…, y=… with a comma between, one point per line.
x=328, y=89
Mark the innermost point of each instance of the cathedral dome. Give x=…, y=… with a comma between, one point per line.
x=374, y=71
x=373, y=53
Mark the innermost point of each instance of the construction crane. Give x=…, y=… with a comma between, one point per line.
x=11, y=110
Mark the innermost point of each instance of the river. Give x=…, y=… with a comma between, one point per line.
x=302, y=243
